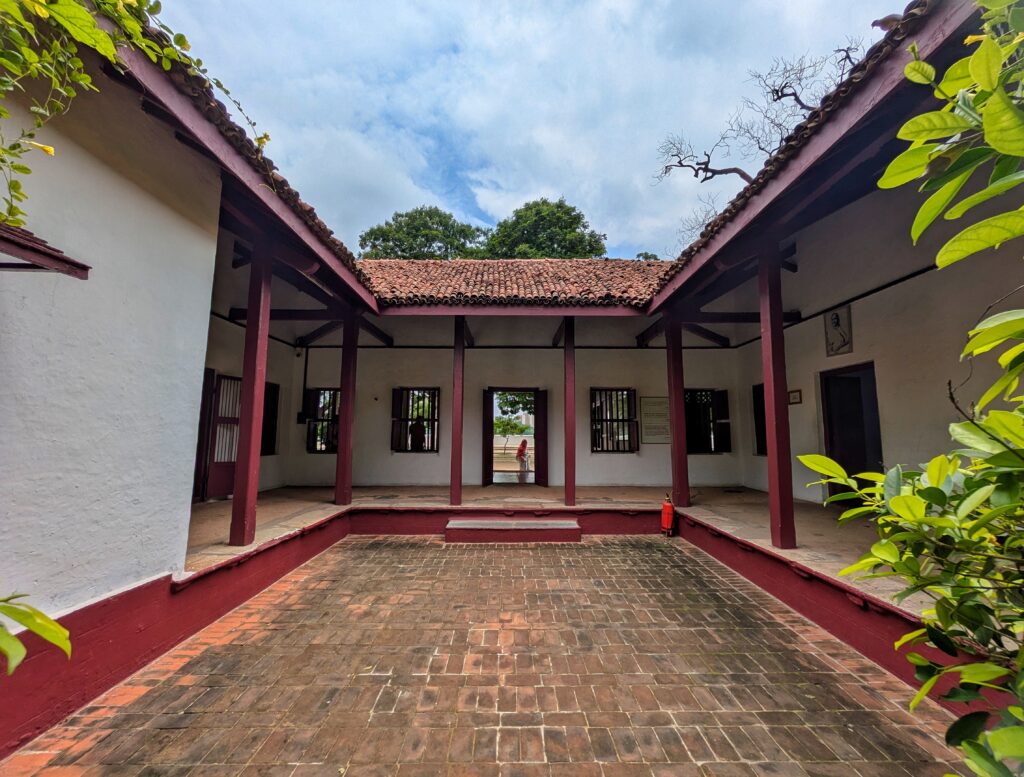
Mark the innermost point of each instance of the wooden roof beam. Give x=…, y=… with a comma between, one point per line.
x=706, y=334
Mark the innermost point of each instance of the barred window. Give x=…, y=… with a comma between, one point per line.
x=613, y=422
x=707, y=421
x=414, y=420
x=320, y=408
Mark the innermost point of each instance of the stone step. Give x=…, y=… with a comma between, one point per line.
x=512, y=530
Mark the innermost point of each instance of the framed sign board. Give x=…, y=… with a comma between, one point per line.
x=654, y=424
x=838, y=331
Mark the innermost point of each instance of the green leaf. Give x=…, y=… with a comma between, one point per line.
x=1003, y=123
x=966, y=433
x=909, y=507
x=957, y=77
x=12, y=649
x=81, y=25
x=969, y=726
x=985, y=64
x=933, y=125
x=989, y=233
x=919, y=72
x=886, y=551
x=925, y=688
x=912, y=636
x=907, y=167
x=38, y=623
x=1005, y=385
x=937, y=203
x=938, y=470
x=974, y=500
x=822, y=465
x=981, y=672
x=1007, y=742
x=992, y=190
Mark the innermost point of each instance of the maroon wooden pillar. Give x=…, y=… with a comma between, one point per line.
x=776, y=404
x=570, y=410
x=347, y=409
x=677, y=412
x=458, y=384
x=250, y=417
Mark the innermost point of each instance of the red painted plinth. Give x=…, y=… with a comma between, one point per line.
x=503, y=530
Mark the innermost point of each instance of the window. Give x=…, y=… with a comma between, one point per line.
x=414, y=420
x=760, y=428
x=268, y=440
x=613, y=424
x=320, y=409
x=707, y=421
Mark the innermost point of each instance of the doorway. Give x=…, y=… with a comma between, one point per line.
x=515, y=436
x=853, y=434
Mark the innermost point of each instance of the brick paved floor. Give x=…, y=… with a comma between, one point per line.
x=620, y=657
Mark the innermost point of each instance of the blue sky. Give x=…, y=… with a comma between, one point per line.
x=375, y=107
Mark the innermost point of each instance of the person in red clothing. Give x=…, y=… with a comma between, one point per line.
x=524, y=461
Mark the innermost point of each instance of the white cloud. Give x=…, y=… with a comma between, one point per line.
x=478, y=107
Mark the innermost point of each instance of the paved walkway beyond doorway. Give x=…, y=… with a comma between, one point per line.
x=404, y=657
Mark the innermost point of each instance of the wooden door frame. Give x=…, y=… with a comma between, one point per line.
x=487, y=468
x=201, y=476
x=826, y=425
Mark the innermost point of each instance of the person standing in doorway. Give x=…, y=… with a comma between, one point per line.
x=523, y=459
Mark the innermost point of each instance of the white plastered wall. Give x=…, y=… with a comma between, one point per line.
x=101, y=379
x=494, y=364
x=912, y=332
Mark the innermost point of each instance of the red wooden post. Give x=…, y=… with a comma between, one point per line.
x=776, y=404
x=677, y=412
x=570, y=410
x=458, y=380
x=250, y=418
x=347, y=410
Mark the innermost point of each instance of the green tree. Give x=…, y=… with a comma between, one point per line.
x=426, y=232
x=544, y=229
x=953, y=528
x=648, y=256
x=506, y=426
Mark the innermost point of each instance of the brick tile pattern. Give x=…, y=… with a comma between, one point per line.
x=404, y=657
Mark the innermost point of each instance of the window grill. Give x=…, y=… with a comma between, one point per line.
x=613, y=422
x=414, y=420
x=321, y=411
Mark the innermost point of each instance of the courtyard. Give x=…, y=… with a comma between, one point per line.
x=407, y=657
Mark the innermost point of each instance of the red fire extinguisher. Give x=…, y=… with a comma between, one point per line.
x=668, y=516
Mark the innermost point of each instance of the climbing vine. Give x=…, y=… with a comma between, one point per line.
x=42, y=43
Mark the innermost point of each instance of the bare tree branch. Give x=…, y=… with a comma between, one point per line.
x=677, y=153
x=708, y=206
x=786, y=94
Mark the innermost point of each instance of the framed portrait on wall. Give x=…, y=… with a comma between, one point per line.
x=838, y=331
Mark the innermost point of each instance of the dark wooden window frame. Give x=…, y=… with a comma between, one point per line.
x=402, y=416
x=322, y=419
x=760, y=424
x=271, y=408
x=710, y=433
x=624, y=418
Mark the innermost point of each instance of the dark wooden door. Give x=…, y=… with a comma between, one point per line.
x=224, y=446
x=488, y=438
x=540, y=437
x=202, y=470
x=853, y=435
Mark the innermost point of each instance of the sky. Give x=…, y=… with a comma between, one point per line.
x=375, y=106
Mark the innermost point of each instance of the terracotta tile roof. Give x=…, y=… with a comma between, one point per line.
x=589, y=282
x=860, y=76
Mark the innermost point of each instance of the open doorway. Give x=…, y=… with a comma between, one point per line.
x=853, y=434
x=515, y=437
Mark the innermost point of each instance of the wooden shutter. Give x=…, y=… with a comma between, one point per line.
x=723, y=428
